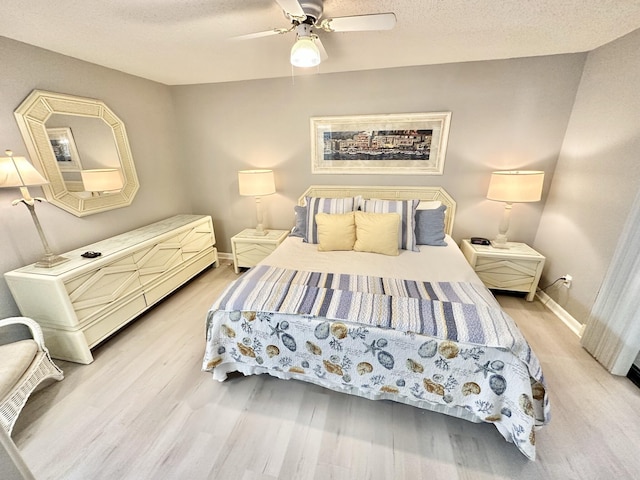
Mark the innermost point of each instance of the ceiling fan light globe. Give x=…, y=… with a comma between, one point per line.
x=305, y=53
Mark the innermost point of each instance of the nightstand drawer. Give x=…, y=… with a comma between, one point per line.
x=249, y=254
x=516, y=283
x=506, y=267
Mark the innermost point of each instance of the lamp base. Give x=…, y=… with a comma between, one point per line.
x=260, y=230
x=49, y=261
x=500, y=241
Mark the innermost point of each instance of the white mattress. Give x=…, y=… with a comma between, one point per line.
x=433, y=264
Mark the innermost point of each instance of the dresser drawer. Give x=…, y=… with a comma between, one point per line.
x=197, y=239
x=95, y=292
x=156, y=260
x=179, y=275
x=118, y=316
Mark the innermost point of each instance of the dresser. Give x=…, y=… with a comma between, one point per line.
x=516, y=269
x=248, y=248
x=83, y=301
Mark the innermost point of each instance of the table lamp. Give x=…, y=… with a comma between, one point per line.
x=101, y=180
x=18, y=172
x=257, y=183
x=513, y=186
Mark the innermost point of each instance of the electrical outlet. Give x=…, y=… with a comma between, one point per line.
x=567, y=279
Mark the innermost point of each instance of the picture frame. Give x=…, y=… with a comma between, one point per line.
x=393, y=144
x=64, y=149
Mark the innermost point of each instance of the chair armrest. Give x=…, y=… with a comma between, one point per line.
x=36, y=331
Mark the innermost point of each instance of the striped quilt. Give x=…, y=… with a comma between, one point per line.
x=453, y=311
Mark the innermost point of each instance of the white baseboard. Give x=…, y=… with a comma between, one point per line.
x=564, y=316
x=225, y=256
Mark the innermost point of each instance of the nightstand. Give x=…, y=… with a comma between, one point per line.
x=515, y=269
x=248, y=248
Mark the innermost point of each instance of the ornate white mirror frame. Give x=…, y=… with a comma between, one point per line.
x=32, y=115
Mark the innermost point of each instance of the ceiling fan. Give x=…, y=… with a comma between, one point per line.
x=306, y=16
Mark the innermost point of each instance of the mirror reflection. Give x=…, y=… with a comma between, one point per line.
x=82, y=149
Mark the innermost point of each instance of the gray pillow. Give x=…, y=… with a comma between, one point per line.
x=430, y=227
x=300, y=227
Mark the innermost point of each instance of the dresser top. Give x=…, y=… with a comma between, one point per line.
x=112, y=245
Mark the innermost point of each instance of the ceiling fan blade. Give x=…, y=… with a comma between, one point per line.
x=292, y=7
x=360, y=23
x=323, y=52
x=266, y=33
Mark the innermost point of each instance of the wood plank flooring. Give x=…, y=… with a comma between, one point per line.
x=144, y=410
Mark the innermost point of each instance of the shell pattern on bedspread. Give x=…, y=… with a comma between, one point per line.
x=385, y=363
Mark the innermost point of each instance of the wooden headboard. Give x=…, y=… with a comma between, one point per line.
x=387, y=193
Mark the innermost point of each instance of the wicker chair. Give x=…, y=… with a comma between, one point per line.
x=24, y=364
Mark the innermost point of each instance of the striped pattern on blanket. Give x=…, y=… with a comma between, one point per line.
x=446, y=310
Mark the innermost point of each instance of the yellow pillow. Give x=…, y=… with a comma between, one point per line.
x=336, y=231
x=377, y=232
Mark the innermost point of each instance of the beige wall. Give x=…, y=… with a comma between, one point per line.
x=505, y=114
x=597, y=176
x=147, y=111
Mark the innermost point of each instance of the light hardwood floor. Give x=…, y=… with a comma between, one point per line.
x=145, y=410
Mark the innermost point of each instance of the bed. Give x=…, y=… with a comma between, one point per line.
x=416, y=326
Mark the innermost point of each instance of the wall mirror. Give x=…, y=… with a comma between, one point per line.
x=82, y=148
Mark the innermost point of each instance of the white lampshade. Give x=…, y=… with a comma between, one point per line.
x=513, y=186
x=305, y=53
x=101, y=179
x=255, y=183
x=18, y=172
x=516, y=186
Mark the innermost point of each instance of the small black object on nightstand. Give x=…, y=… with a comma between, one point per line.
x=480, y=241
x=91, y=254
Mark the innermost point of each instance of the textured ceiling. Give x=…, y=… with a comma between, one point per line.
x=189, y=41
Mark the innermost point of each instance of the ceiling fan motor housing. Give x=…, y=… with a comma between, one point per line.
x=312, y=9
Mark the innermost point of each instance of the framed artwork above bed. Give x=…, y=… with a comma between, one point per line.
x=396, y=144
